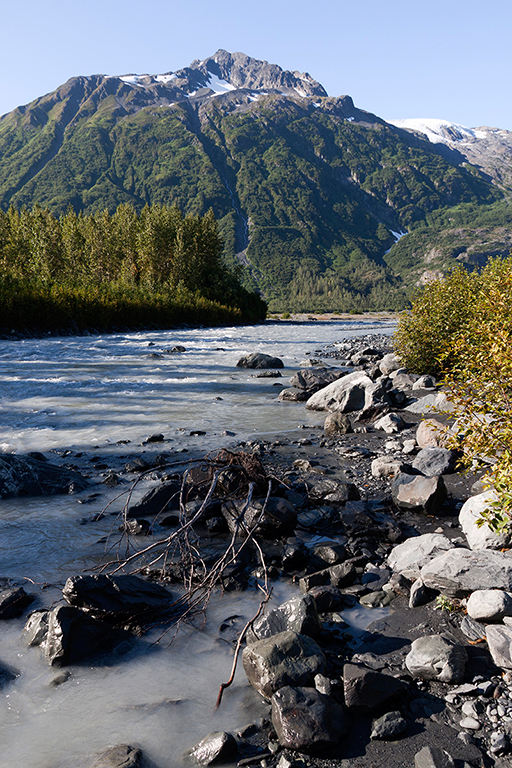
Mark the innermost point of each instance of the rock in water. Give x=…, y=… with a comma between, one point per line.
x=259, y=360
x=27, y=476
x=121, y=756
x=217, y=747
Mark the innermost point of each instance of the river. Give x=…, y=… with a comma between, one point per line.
x=88, y=394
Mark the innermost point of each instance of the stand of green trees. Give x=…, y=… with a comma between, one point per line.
x=153, y=269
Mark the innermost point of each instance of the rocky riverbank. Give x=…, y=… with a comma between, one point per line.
x=365, y=513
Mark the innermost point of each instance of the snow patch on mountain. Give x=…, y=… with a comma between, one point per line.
x=441, y=131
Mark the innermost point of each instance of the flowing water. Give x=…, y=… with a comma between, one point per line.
x=87, y=394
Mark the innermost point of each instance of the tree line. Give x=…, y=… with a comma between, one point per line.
x=153, y=268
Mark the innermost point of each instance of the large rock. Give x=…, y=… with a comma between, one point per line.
x=423, y=494
x=389, y=363
x=499, y=640
x=217, y=747
x=71, y=636
x=481, y=536
x=337, y=424
x=390, y=423
x=436, y=657
x=435, y=461
x=13, y=602
x=117, y=598
x=284, y=659
x=366, y=689
x=278, y=517
x=26, y=476
x=489, y=605
x=313, y=379
x=298, y=614
x=431, y=433
x=386, y=466
x=353, y=392
x=259, y=360
x=160, y=499
x=460, y=572
x=409, y=557
x=306, y=720
x=120, y=756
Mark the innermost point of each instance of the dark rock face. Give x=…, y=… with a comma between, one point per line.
x=313, y=379
x=27, y=476
x=117, y=598
x=279, y=516
x=298, y=614
x=307, y=720
x=259, y=360
x=367, y=689
x=160, y=499
x=13, y=602
x=72, y=635
x=435, y=461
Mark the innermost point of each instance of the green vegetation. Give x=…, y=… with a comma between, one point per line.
x=461, y=326
x=156, y=269
x=307, y=200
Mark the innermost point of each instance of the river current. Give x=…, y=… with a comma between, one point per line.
x=88, y=394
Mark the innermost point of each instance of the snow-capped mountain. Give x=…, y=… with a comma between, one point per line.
x=489, y=149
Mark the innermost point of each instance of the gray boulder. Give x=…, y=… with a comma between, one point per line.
x=389, y=726
x=353, y=392
x=489, y=605
x=481, y=536
x=307, y=720
x=117, y=598
x=297, y=615
x=313, y=379
x=284, y=659
x=389, y=363
x=433, y=757
x=27, y=476
x=425, y=382
x=499, y=640
x=293, y=395
x=120, y=756
x=423, y=494
x=460, y=572
x=337, y=424
x=386, y=466
x=435, y=461
x=259, y=360
x=217, y=747
x=409, y=557
x=366, y=689
x=390, y=423
x=436, y=657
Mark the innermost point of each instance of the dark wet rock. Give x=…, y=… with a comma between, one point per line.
x=277, y=518
x=217, y=747
x=284, y=659
x=36, y=628
x=433, y=757
x=117, y=598
x=26, y=476
x=328, y=598
x=293, y=395
x=419, y=493
x=120, y=756
x=331, y=554
x=340, y=575
x=459, y=572
x=299, y=614
x=313, y=379
x=420, y=594
x=156, y=438
x=72, y=635
x=332, y=490
x=411, y=555
x=306, y=720
x=177, y=349
x=259, y=360
x=160, y=499
x=13, y=602
x=59, y=679
x=337, y=424
x=136, y=527
x=435, y=461
x=138, y=464
x=7, y=675
x=436, y=657
x=389, y=726
x=367, y=689
x=295, y=555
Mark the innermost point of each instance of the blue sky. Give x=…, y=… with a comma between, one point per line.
x=447, y=59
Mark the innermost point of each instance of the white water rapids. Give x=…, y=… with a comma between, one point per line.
x=86, y=394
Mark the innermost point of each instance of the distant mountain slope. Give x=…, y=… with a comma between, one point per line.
x=311, y=192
